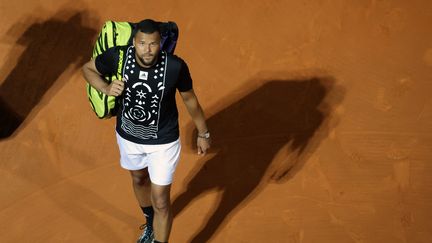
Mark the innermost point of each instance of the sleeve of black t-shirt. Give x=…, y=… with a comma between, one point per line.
x=106, y=63
x=185, y=81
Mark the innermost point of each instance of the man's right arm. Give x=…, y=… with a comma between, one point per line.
x=94, y=78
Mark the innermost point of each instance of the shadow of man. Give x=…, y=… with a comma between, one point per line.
x=51, y=46
x=284, y=114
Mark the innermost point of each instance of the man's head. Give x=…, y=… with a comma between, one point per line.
x=147, y=42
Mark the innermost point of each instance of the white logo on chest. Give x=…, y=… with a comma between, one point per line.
x=143, y=75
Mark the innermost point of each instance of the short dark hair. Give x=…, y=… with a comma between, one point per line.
x=147, y=26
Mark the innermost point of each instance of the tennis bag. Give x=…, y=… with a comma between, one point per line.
x=120, y=34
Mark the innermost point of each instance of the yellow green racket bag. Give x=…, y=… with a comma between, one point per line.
x=119, y=34
x=112, y=34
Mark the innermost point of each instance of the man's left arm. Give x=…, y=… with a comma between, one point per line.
x=197, y=115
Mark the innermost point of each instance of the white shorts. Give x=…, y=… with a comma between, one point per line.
x=160, y=159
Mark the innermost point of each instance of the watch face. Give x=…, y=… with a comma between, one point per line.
x=205, y=135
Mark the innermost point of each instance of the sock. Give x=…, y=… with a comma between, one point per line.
x=148, y=213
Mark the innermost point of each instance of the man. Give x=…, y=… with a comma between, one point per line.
x=147, y=120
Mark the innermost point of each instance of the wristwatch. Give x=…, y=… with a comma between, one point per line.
x=204, y=135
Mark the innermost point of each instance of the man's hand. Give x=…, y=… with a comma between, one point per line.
x=203, y=144
x=195, y=110
x=115, y=88
x=95, y=79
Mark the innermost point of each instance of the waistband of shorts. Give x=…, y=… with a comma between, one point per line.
x=152, y=147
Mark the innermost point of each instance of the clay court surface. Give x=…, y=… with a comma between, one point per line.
x=320, y=112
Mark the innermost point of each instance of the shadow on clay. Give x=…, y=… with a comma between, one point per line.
x=291, y=115
x=50, y=47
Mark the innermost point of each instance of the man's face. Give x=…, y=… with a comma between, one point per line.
x=147, y=48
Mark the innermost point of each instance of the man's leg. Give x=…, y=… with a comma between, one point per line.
x=142, y=186
x=162, y=222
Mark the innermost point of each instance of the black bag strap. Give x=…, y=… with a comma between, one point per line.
x=173, y=67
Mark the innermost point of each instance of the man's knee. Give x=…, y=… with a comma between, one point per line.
x=140, y=178
x=161, y=198
x=161, y=204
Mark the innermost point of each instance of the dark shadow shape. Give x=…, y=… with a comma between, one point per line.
x=50, y=48
x=288, y=114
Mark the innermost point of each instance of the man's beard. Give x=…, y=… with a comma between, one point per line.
x=148, y=63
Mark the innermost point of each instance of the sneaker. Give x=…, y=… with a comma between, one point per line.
x=147, y=235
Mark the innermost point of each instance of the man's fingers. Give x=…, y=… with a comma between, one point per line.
x=202, y=150
x=117, y=88
x=203, y=146
x=118, y=83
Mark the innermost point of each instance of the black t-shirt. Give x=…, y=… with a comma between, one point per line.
x=148, y=112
